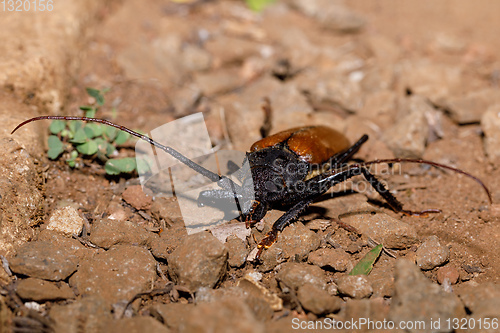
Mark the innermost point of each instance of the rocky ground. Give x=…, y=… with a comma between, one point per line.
x=86, y=252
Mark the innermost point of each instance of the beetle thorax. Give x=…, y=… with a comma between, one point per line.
x=273, y=169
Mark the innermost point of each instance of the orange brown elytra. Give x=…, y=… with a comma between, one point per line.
x=289, y=169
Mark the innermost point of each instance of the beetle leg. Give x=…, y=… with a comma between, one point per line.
x=324, y=182
x=342, y=158
x=266, y=242
x=256, y=213
x=249, y=221
x=391, y=199
x=286, y=219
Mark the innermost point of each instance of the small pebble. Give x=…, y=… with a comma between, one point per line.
x=44, y=260
x=317, y=300
x=134, y=196
x=417, y=298
x=354, y=286
x=432, y=254
x=237, y=250
x=40, y=290
x=448, y=272
x=66, y=220
x=294, y=275
x=117, y=274
x=337, y=259
x=201, y=261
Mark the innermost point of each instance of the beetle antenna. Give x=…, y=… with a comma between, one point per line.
x=434, y=164
x=174, y=153
x=266, y=127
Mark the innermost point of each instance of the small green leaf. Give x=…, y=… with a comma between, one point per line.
x=105, y=147
x=111, y=132
x=73, y=155
x=90, y=113
x=101, y=144
x=80, y=136
x=87, y=148
x=99, y=98
x=143, y=165
x=72, y=159
x=57, y=126
x=258, y=5
x=120, y=165
x=89, y=132
x=365, y=265
x=97, y=128
x=74, y=125
x=114, y=113
x=56, y=147
x=86, y=107
x=121, y=138
x=64, y=133
x=110, y=149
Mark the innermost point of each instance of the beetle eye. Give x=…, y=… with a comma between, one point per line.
x=270, y=186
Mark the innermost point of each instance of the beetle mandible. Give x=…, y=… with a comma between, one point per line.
x=288, y=169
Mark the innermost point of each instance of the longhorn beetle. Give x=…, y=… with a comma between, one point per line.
x=288, y=169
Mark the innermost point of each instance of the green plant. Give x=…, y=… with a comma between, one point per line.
x=258, y=5
x=78, y=139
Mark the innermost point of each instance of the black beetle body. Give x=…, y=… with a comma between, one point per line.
x=288, y=169
x=291, y=169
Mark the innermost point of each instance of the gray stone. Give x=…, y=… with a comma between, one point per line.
x=173, y=315
x=237, y=250
x=449, y=273
x=221, y=81
x=296, y=241
x=40, y=290
x=434, y=81
x=333, y=89
x=66, y=220
x=294, y=275
x=408, y=137
x=71, y=246
x=469, y=108
x=384, y=229
x=474, y=295
x=380, y=107
x=201, y=261
x=317, y=300
x=257, y=300
x=354, y=286
x=382, y=278
x=487, y=311
x=88, y=314
x=417, y=298
x=225, y=49
x=337, y=259
x=107, y=232
x=117, y=274
x=431, y=253
x=373, y=309
x=225, y=316
x=43, y=260
x=331, y=15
